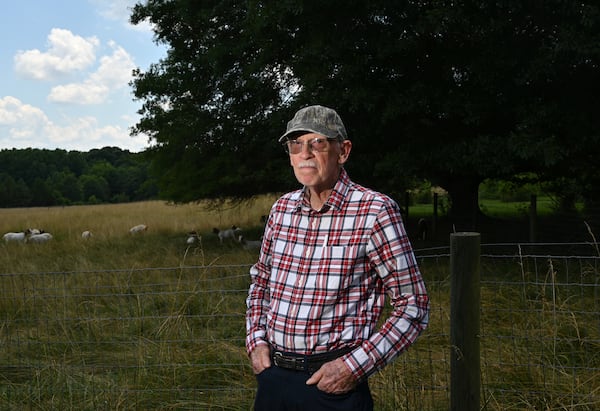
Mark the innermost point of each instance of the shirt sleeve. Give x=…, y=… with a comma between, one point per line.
x=391, y=257
x=257, y=302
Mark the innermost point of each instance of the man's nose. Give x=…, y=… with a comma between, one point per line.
x=306, y=149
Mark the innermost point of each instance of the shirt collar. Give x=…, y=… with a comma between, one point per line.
x=335, y=199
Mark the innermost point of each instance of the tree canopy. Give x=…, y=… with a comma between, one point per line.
x=452, y=92
x=36, y=177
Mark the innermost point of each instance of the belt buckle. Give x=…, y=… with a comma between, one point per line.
x=277, y=356
x=286, y=362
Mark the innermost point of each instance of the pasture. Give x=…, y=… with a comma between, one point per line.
x=102, y=302
x=148, y=321
x=113, y=247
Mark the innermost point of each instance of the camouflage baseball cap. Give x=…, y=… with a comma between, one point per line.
x=316, y=119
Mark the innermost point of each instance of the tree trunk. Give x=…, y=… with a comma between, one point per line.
x=464, y=213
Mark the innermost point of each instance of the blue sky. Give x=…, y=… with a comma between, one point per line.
x=65, y=66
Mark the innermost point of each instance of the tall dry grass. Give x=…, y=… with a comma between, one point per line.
x=96, y=325
x=112, y=246
x=114, y=220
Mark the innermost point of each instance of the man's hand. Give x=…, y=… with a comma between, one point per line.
x=260, y=358
x=333, y=377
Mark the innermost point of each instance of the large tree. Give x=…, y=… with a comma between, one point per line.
x=454, y=92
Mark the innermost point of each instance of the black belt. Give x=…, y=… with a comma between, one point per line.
x=308, y=363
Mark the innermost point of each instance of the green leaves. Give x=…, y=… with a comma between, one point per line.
x=445, y=92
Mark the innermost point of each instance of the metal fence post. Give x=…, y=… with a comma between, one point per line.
x=464, y=321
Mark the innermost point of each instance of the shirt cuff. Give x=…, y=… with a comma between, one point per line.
x=254, y=341
x=360, y=364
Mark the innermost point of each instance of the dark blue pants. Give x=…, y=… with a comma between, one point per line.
x=286, y=390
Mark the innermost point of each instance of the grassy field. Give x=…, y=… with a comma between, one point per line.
x=112, y=246
x=492, y=208
x=89, y=325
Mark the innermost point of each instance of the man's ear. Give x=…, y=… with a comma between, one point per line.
x=346, y=147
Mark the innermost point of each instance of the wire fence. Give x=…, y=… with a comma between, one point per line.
x=173, y=338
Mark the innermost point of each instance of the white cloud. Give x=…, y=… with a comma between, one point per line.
x=76, y=71
x=84, y=93
x=23, y=126
x=120, y=11
x=115, y=70
x=85, y=133
x=21, y=119
x=117, y=10
x=67, y=53
x=114, y=73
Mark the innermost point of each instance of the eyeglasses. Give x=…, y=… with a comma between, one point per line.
x=316, y=144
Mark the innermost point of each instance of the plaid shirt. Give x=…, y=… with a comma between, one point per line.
x=322, y=276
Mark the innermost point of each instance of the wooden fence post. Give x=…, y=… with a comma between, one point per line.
x=464, y=321
x=435, y=215
x=532, y=218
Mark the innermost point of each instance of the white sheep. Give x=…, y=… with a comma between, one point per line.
x=140, y=228
x=193, y=238
x=15, y=237
x=250, y=244
x=86, y=235
x=230, y=234
x=39, y=238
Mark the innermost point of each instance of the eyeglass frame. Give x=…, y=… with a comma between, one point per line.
x=301, y=144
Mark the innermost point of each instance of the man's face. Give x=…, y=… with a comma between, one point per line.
x=319, y=170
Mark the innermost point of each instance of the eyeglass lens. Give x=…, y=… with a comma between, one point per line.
x=316, y=144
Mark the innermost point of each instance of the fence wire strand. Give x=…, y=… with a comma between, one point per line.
x=173, y=337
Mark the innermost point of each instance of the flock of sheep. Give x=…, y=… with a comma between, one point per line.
x=31, y=235
x=233, y=234
x=37, y=235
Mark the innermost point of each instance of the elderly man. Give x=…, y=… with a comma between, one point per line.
x=331, y=252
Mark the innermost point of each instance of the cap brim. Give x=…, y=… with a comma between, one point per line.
x=298, y=131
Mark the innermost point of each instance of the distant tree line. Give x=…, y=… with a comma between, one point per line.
x=40, y=177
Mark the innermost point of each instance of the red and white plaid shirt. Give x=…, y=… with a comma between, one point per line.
x=322, y=276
